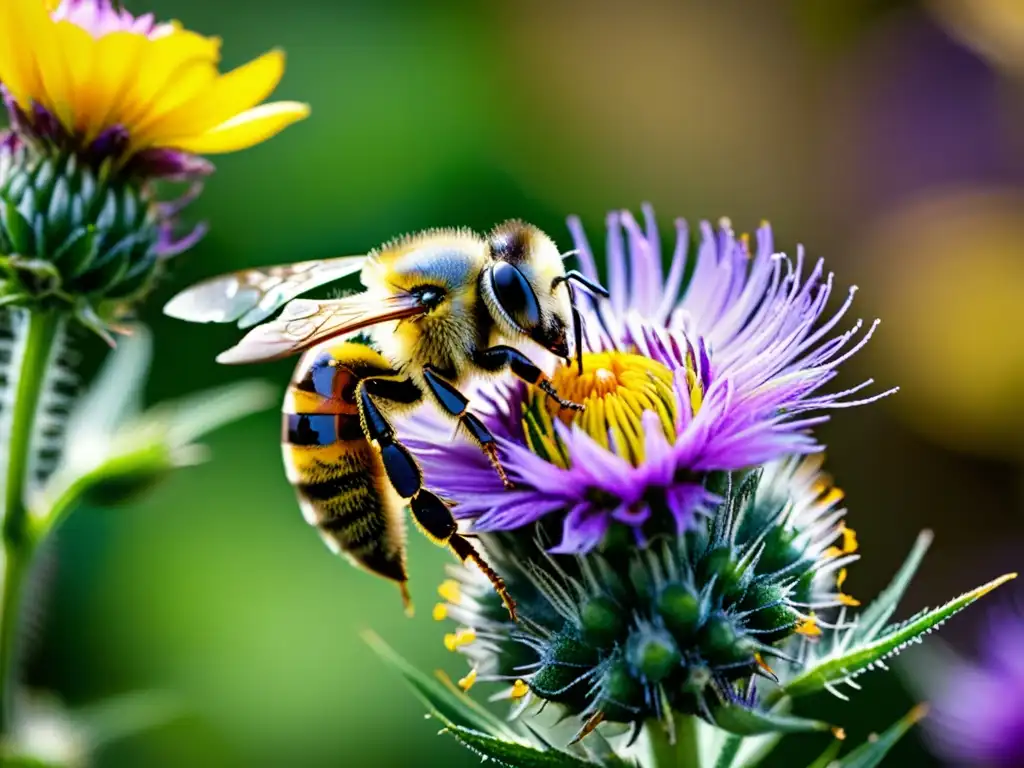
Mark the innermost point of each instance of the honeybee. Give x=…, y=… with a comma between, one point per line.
x=440, y=307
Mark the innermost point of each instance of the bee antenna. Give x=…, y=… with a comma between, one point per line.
x=577, y=327
x=578, y=277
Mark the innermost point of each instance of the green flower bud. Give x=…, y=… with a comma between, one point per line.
x=601, y=620
x=561, y=677
x=773, y=623
x=652, y=654
x=680, y=610
x=722, y=643
x=622, y=694
x=75, y=237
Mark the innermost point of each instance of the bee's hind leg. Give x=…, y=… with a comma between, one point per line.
x=431, y=515
x=455, y=404
x=435, y=519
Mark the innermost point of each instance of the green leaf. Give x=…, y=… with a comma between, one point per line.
x=741, y=721
x=511, y=754
x=825, y=758
x=850, y=663
x=456, y=709
x=730, y=749
x=873, y=619
x=870, y=753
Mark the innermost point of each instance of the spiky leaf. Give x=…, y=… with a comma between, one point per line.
x=825, y=758
x=870, y=753
x=457, y=709
x=873, y=619
x=512, y=754
x=850, y=663
x=730, y=749
x=741, y=721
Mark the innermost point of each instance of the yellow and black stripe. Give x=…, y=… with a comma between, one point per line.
x=339, y=478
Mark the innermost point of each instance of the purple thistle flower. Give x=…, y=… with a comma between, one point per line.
x=682, y=377
x=977, y=715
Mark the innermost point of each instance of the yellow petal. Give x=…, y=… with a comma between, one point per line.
x=115, y=65
x=249, y=128
x=76, y=46
x=17, y=54
x=54, y=82
x=228, y=96
x=176, y=68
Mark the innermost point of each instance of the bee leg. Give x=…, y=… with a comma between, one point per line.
x=431, y=515
x=456, y=404
x=435, y=519
x=496, y=358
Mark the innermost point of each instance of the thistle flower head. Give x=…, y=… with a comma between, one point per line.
x=680, y=627
x=675, y=550
x=715, y=366
x=88, y=76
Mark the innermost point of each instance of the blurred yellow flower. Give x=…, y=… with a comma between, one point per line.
x=96, y=69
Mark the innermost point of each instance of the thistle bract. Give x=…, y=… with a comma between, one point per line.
x=679, y=627
x=75, y=237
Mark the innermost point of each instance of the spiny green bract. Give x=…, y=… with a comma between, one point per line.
x=71, y=236
x=632, y=634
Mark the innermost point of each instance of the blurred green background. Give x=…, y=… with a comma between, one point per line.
x=885, y=136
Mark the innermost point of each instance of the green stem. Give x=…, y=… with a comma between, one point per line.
x=684, y=752
x=33, y=352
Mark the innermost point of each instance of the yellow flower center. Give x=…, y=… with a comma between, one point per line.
x=615, y=388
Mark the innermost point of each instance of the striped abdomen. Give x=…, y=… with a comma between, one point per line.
x=338, y=476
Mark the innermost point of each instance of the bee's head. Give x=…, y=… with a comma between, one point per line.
x=524, y=292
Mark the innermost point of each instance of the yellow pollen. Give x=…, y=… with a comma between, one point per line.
x=440, y=612
x=808, y=627
x=849, y=545
x=844, y=598
x=519, y=689
x=762, y=664
x=451, y=591
x=839, y=733
x=467, y=682
x=616, y=389
x=463, y=636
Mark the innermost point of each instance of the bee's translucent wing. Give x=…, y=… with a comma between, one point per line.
x=252, y=295
x=305, y=323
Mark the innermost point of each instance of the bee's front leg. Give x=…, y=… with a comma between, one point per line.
x=456, y=404
x=501, y=356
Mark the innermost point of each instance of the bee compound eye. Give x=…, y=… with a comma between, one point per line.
x=515, y=296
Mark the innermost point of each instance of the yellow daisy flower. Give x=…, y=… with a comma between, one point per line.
x=116, y=84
